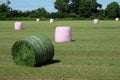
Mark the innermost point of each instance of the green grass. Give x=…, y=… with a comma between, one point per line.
x=94, y=53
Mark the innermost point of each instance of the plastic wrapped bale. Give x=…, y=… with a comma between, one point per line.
x=37, y=19
x=63, y=34
x=18, y=26
x=116, y=19
x=52, y=21
x=32, y=51
x=96, y=21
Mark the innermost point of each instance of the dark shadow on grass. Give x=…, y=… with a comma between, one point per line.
x=48, y=63
x=73, y=40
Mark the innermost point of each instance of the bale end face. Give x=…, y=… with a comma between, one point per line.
x=23, y=53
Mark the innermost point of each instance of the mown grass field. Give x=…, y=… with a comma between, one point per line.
x=94, y=53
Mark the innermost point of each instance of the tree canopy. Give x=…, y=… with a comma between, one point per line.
x=87, y=9
x=82, y=8
x=112, y=10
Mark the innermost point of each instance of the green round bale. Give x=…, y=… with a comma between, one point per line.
x=33, y=51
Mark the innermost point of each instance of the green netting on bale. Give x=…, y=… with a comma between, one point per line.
x=33, y=50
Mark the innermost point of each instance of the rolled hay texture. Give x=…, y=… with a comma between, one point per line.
x=37, y=19
x=52, y=21
x=96, y=21
x=32, y=51
x=116, y=19
x=63, y=34
x=18, y=26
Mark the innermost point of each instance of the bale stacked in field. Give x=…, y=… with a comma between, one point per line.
x=96, y=21
x=52, y=21
x=33, y=51
x=18, y=26
x=63, y=34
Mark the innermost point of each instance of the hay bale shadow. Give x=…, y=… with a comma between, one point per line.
x=73, y=40
x=48, y=63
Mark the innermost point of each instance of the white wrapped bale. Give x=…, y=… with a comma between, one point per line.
x=63, y=34
x=116, y=19
x=96, y=21
x=37, y=19
x=18, y=26
x=52, y=21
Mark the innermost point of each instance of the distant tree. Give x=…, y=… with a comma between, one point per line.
x=13, y=13
x=40, y=12
x=16, y=13
x=4, y=10
x=83, y=8
x=119, y=12
x=62, y=6
x=26, y=13
x=112, y=10
x=8, y=2
x=74, y=6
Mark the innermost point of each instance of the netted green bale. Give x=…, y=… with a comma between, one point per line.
x=33, y=51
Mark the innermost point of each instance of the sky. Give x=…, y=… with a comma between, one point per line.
x=25, y=5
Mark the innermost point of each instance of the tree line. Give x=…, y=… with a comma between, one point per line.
x=74, y=9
